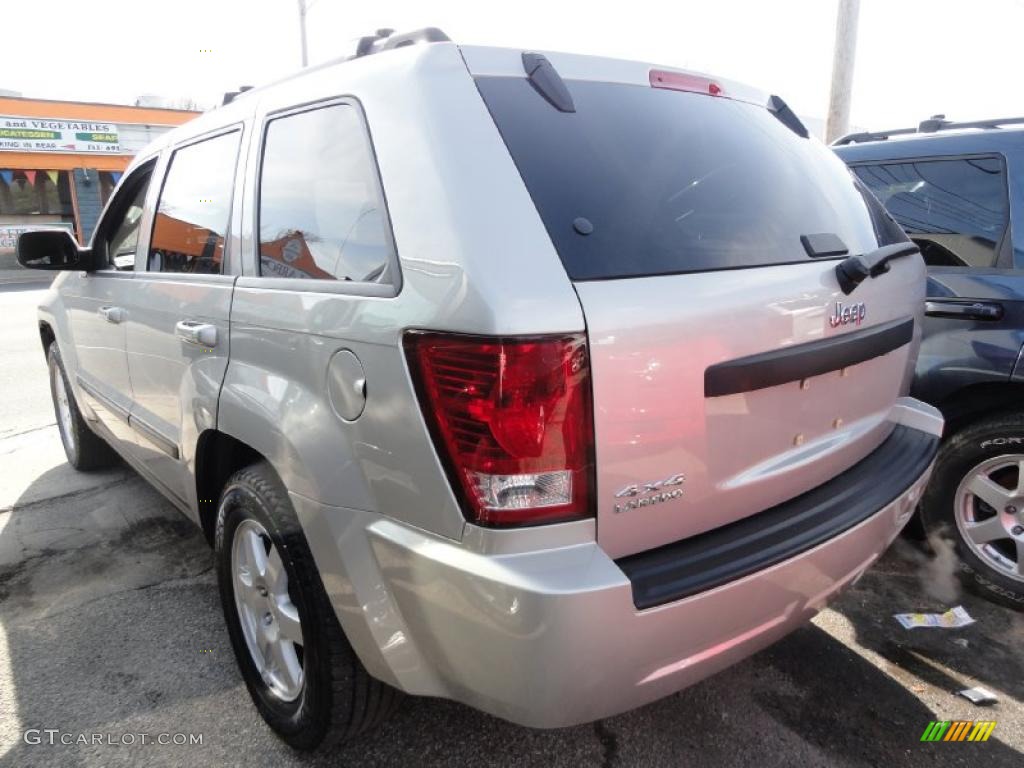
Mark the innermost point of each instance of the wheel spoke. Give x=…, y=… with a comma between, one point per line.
x=1020, y=478
x=1019, y=569
x=990, y=492
x=986, y=531
x=266, y=647
x=289, y=670
x=255, y=553
x=245, y=589
x=288, y=621
x=277, y=580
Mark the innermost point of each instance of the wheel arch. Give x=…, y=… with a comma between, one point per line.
x=46, y=335
x=967, y=404
x=218, y=456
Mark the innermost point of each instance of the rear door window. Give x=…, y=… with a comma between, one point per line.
x=644, y=181
x=955, y=210
x=191, y=223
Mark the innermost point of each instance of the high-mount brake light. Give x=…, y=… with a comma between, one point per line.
x=683, y=81
x=513, y=422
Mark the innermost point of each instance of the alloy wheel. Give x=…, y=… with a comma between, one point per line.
x=270, y=621
x=989, y=513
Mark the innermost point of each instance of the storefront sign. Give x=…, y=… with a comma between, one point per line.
x=40, y=134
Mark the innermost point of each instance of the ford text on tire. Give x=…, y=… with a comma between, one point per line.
x=505, y=377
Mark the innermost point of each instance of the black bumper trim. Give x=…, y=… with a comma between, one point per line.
x=710, y=559
x=801, y=361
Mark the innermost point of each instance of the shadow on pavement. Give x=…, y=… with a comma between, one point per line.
x=989, y=652
x=808, y=700
x=113, y=625
x=105, y=600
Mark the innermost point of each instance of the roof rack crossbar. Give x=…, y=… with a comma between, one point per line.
x=932, y=125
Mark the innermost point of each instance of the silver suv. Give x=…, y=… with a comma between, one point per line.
x=546, y=383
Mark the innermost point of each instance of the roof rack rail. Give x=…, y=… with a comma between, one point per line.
x=933, y=124
x=381, y=40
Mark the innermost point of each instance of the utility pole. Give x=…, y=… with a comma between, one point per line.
x=302, y=32
x=838, y=122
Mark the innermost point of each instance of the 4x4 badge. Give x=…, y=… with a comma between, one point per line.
x=635, y=493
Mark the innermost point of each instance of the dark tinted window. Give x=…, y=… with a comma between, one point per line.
x=321, y=209
x=673, y=182
x=956, y=210
x=195, y=206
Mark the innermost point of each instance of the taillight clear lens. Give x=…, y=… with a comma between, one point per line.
x=513, y=422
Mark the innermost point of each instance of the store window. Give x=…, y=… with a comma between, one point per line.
x=195, y=207
x=320, y=206
x=32, y=199
x=108, y=183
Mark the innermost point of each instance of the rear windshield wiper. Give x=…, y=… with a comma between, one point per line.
x=854, y=270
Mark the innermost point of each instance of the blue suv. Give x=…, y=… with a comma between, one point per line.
x=958, y=191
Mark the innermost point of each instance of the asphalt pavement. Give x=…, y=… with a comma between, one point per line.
x=111, y=632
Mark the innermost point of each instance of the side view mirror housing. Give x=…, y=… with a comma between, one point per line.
x=52, y=249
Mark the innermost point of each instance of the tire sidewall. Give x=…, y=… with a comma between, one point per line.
x=56, y=367
x=959, y=455
x=295, y=720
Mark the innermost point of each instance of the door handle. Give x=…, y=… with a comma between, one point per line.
x=112, y=314
x=964, y=310
x=200, y=334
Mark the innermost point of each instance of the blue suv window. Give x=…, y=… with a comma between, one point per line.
x=955, y=210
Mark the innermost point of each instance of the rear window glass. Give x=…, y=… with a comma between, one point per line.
x=671, y=182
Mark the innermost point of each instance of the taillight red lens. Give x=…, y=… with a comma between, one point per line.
x=683, y=81
x=513, y=422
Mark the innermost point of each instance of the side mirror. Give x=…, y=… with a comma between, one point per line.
x=51, y=249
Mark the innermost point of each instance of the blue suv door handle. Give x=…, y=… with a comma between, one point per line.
x=963, y=310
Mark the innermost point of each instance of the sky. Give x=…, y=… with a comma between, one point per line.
x=915, y=58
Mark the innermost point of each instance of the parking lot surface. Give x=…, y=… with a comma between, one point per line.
x=110, y=624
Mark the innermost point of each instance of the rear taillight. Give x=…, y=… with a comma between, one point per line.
x=512, y=421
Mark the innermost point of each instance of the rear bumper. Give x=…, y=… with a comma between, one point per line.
x=553, y=637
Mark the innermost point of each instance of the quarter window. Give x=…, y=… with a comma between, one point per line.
x=124, y=237
x=194, y=209
x=955, y=210
x=321, y=210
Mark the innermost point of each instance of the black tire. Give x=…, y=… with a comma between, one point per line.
x=961, y=453
x=85, y=450
x=339, y=699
